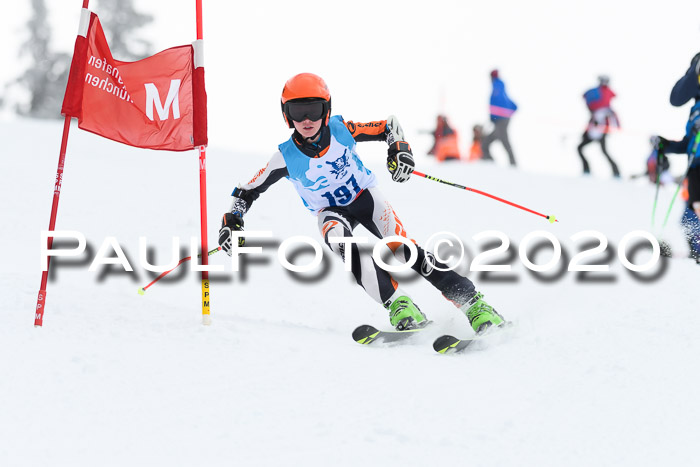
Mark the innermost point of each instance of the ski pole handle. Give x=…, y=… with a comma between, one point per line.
x=551, y=219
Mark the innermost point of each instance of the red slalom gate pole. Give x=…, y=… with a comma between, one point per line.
x=200, y=27
x=206, y=314
x=41, y=299
x=551, y=219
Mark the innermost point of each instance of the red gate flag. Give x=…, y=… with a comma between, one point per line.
x=156, y=103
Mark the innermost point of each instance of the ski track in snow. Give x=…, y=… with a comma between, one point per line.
x=595, y=373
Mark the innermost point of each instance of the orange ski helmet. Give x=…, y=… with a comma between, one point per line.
x=305, y=95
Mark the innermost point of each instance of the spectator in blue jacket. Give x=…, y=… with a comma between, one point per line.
x=502, y=108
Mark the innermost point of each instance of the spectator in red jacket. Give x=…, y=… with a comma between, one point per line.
x=603, y=120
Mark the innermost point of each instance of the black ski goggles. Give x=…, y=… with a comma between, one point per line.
x=301, y=110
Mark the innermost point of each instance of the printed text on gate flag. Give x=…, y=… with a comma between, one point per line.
x=156, y=103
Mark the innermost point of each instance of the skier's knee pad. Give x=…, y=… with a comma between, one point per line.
x=335, y=227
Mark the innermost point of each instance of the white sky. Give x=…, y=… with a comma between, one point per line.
x=409, y=58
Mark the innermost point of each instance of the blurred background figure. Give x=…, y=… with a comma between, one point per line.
x=446, y=145
x=475, y=152
x=657, y=165
x=502, y=109
x=436, y=133
x=603, y=120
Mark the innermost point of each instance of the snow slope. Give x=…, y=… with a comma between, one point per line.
x=600, y=370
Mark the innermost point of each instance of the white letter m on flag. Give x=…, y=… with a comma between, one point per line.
x=153, y=100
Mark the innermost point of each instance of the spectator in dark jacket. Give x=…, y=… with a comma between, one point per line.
x=686, y=89
x=502, y=109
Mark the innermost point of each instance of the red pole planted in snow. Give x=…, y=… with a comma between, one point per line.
x=200, y=30
x=206, y=315
x=41, y=299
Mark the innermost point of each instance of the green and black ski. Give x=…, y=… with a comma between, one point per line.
x=450, y=344
x=367, y=334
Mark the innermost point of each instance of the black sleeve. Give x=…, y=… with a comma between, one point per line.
x=677, y=147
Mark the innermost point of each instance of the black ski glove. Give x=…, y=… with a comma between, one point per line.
x=229, y=223
x=399, y=161
x=660, y=144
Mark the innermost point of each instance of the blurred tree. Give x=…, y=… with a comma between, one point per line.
x=119, y=20
x=47, y=74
